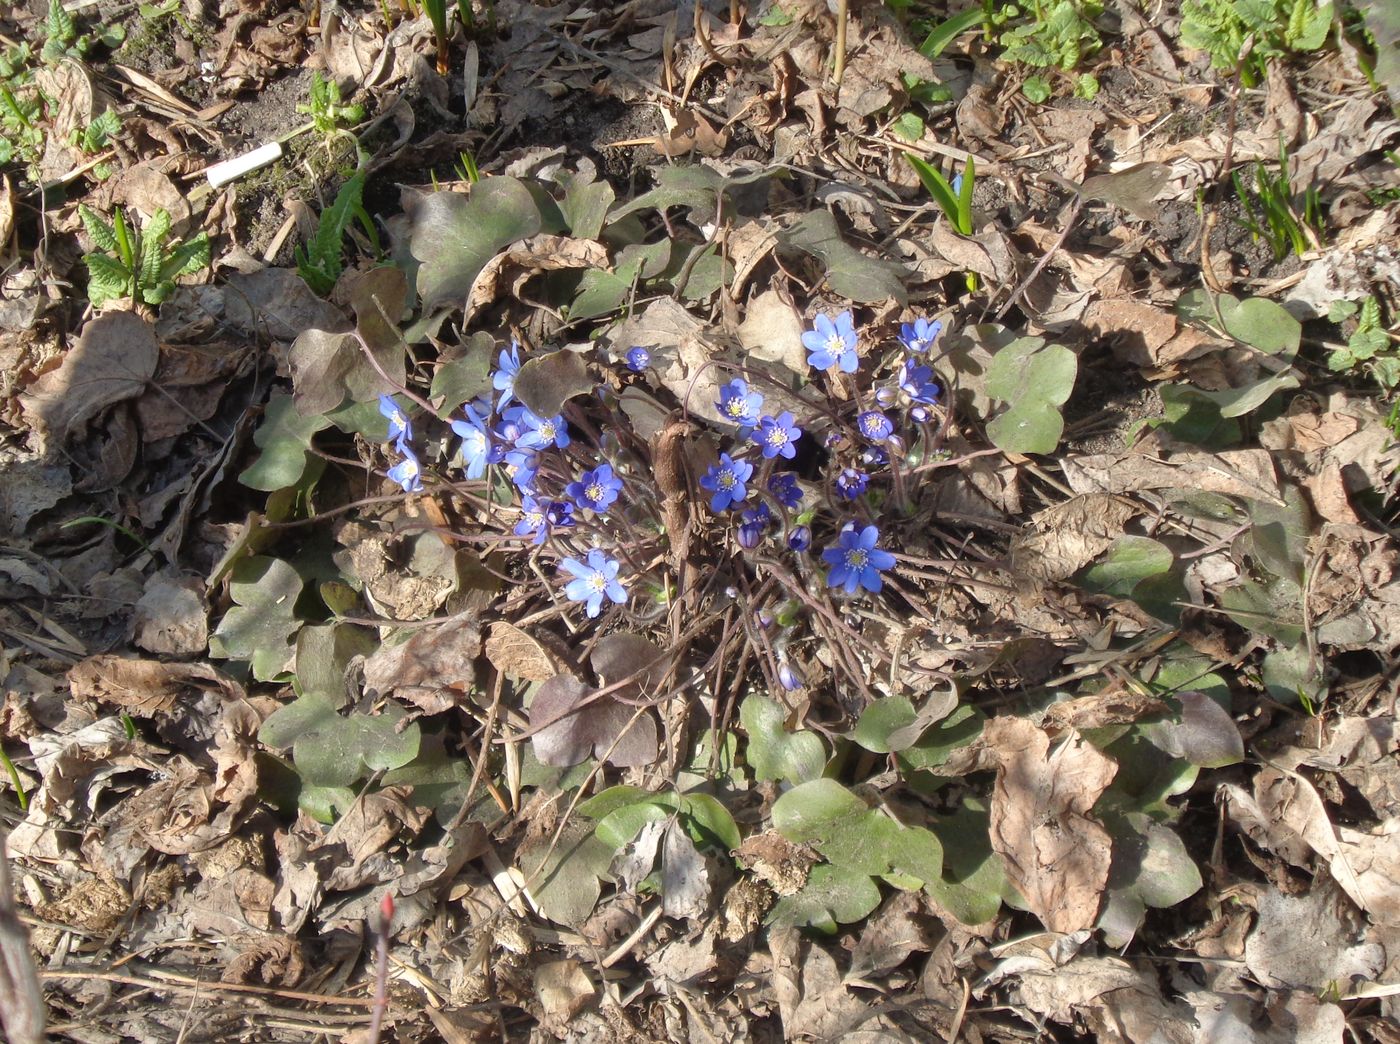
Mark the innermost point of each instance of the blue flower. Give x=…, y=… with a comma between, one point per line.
x=875, y=426
x=594, y=581
x=522, y=466
x=538, y=517
x=539, y=432
x=855, y=560
x=408, y=472
x=532, y=520
x=400, y=429
x=919, y=337
x=638, y=359
x=776, y=436
x=787, y=677
x=783, y=485
x=799, y=538
x=726, y=481
x=875, y=457
x=596, y=489
x=851, y=483
x=476, y=443
x=917, y=382
x=753, y=524
x=559, y=514
x=503, y=380
x=832, y=343
x=739, y=405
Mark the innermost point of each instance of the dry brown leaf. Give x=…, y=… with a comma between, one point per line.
x=172, y=618
x=989, y=253
x=356, y=845
x=511, y=269
x=516, y=654
x=1309, y=942
x=267, y=960
x=1055, y=854
x=144, y=688
x=1098, y=710
x=1241, y=473
x=772, y=331
x=900, y=927
x=1069, y=536
x=114, y=357
x=562, y=988
x=434, y=669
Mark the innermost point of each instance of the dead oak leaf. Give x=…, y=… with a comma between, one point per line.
x=1054, y=852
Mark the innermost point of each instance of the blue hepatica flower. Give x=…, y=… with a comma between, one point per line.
x=919, y=336
x=408, y=472
x=875, y=426
x=400, y=428
x=855, y=560
x=787, y=677
x=776, y=435
x=726, y=481
x=538, y=517
x=753, y=524
x=851, y=483
x=503, y=380
x=832, y=343
x=523, y=467
x=596, y=489
x=476, y=443
x=638, y=359
x=783, y=485
x=739, y=405
x=593, y=581
x=532, y=521
x=539, y=432
x=799, y=538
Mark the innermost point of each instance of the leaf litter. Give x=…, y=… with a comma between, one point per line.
x=1109, y=751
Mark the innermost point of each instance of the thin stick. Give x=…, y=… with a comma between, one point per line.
x=381, y=975
x=840, y=67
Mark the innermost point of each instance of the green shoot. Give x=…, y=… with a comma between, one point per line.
x=437, y=14
x=1273, y=212
x=941, y=35
x=466, y=167
x=325, y=108
x=20, y=796
x=138, y=265
x=320, y=262
x=953, y=198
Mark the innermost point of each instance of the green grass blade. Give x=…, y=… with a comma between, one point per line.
x=941, y=35
x=937, y=185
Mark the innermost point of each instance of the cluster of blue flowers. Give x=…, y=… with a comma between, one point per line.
x=832, y=344
x=499, y=431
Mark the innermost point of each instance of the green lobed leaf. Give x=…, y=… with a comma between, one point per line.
x=1034, y=379
x=881, y=718
x=772, y=752
x=262, y=619
x=285, y=439
x=563, y=875
x=465, y=376
x=1128, y=561
x=865, y=280
x=453, y=235
x=830, y=897
x=345, y=749
x=813, y=812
